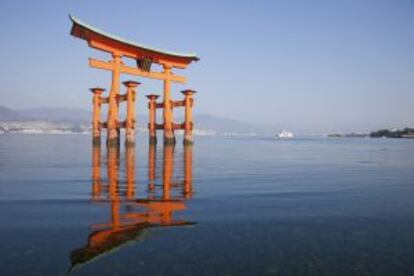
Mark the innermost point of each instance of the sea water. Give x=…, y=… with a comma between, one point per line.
x=225, y=206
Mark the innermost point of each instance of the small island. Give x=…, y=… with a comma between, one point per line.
x=347, y=135
x=396, y=133
x=382, y=133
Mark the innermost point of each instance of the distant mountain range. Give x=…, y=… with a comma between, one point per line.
x=59, y=115
x=80, y=117
x=7, y=114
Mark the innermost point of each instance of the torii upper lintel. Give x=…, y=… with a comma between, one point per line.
x=110, y=43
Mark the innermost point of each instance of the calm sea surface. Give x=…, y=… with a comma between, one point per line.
x=225, y=206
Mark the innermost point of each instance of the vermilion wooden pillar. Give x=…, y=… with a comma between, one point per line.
x=96, y=116
x=113, y=109
x=152, y=119
x=188, y=124
x=130, y=120
x=169, y=138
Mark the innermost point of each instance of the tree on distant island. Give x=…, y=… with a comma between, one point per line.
x=405, y=133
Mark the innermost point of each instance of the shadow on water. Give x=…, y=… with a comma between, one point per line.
x=131, y=213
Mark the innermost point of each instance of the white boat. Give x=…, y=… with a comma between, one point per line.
x=285, y=134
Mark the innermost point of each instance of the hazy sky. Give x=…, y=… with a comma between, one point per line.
x=310, y=66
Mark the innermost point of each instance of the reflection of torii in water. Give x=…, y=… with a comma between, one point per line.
x=152, y=211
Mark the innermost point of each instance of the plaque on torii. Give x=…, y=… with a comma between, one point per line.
x=144, y=56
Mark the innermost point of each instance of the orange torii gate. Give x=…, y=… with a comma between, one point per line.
x=145, y=56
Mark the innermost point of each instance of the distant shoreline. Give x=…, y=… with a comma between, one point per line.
x=382, y=133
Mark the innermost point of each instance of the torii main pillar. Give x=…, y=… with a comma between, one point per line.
x=169, y=138
x=113, y=109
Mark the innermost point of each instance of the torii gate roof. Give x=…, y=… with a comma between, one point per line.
x=79, y=27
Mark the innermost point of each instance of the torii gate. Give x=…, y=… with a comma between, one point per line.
x=144, y=56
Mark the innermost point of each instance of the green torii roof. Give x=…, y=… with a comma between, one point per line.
x=76, y=21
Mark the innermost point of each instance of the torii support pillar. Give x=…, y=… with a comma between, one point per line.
x=188, y=123
x=152, y=119
x=130, y=120
x=169, y=138
x=113, y=100
x=96, y=116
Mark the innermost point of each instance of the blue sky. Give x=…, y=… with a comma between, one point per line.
x=311, y=66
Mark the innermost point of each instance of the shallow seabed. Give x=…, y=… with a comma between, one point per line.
x=226, y=206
